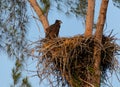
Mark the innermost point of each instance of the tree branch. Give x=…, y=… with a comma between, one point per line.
x=90, y=18
x=101, y=20
x=98, y=38
x=40, y=13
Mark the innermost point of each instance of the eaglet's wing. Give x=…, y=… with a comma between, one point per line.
x=49, y=31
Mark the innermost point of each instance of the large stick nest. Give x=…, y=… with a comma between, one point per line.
x=70, y=60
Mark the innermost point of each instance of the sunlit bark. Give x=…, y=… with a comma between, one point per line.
x=98, y=38
x=89, y=18
x=40, y=14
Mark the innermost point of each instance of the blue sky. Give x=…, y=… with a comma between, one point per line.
x=71, y=26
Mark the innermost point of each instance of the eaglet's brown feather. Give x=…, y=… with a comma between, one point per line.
x=53, y=30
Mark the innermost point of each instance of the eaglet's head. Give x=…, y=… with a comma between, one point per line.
x=58, y=21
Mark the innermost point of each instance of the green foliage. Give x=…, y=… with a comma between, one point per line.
x=116, y=3
x=45, y=6
x=76, y=7
x=25, y=83
x=17, y=75
x=13, y=21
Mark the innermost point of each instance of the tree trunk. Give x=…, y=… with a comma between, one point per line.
x=98, y=38
x=40, y=14
x=90, y=18
x=89, y=29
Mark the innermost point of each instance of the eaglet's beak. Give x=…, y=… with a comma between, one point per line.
x=60, y=22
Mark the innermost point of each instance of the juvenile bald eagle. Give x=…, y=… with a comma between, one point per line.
x=53, y=30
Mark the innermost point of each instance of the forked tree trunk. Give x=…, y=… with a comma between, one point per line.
x=98, y=38
x=40, y=14
x=89, y=18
